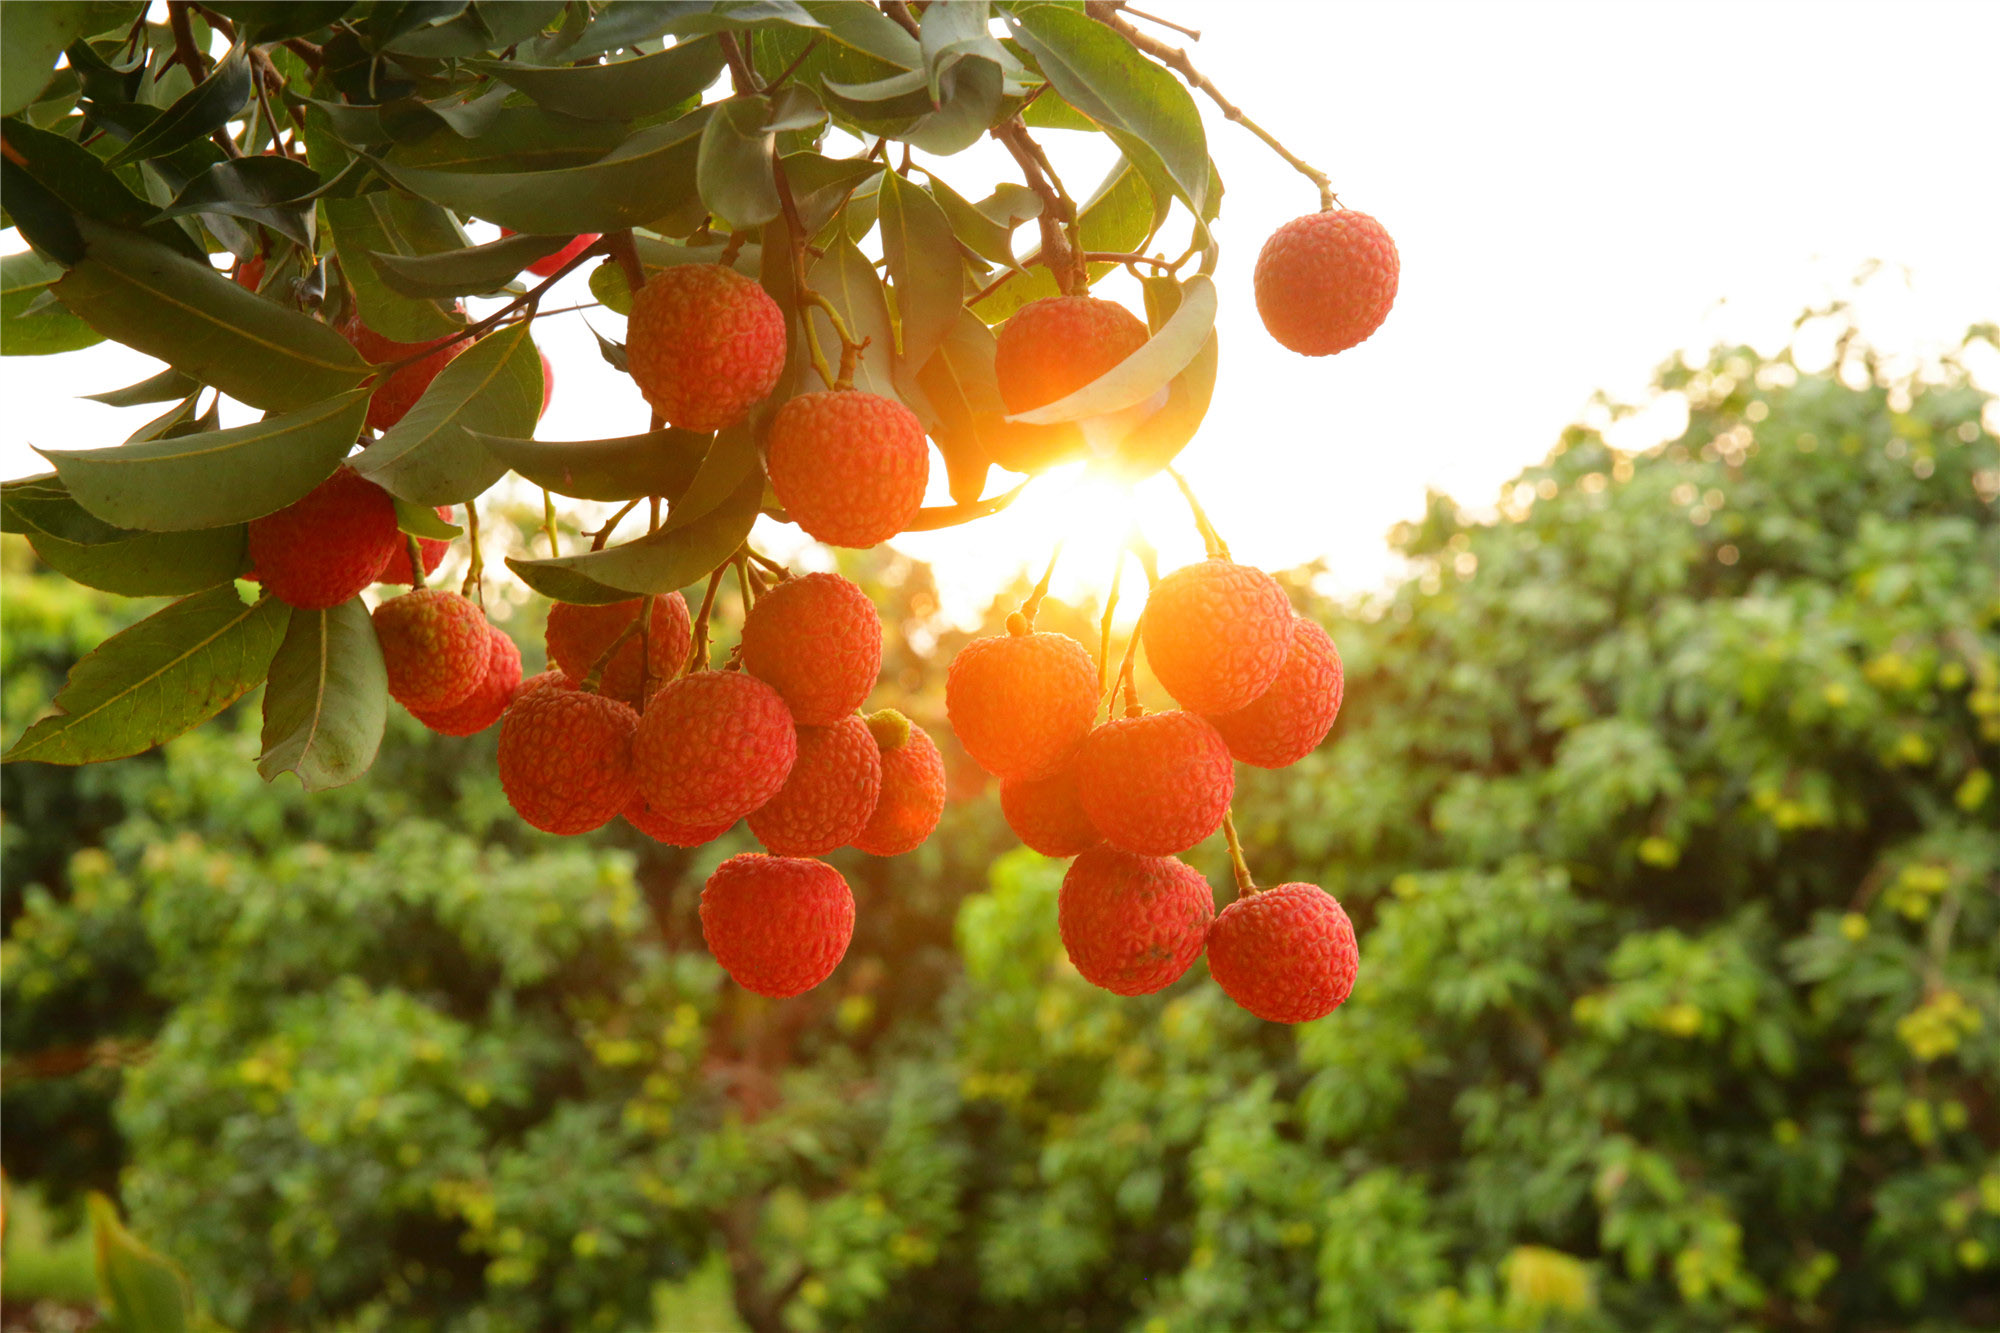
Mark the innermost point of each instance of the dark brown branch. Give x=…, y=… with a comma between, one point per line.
x=1058, y=212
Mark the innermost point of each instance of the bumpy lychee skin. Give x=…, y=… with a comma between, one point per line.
x=913, y=787
x=1021, y=703
x=849, y=467
x=578, y=635
x=1157, y=784
x=779, y=925
x=1048, y=350
x=1133, y=924
x=566, y=757
x=1287, y=722
x=434, y=646
x=489, y=699
x=705, y=345
x=1046, y=815
x=712, y=747
x=1287, y=954
x=659, y=828
x=396, y=569
x=818, y=641
x=323, y=548
x=1326, y=281
x=828, y=796
x=1216, y=634
x=397, y=394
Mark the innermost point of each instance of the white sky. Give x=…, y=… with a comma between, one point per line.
x=1577, y=190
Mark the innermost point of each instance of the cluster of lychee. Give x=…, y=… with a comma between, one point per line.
x=1257, y=684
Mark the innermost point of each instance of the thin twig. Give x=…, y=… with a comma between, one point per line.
x=1033, y=604
x=1218, y=549
x=740, y=71
x=603, y=534
x=1104, y=628
x=475, y=573
x=1058, y=210
x=1245, y=886
x=549, y=521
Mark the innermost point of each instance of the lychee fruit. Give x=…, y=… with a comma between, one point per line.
x=1286, y=954
x=1021, y=703
x=659, y=828
x=779, y=925
x=913, y=787
x=1133, y=924
x=828, y=796
x=1287, y=722
x=397, y=394
x=326, y=546
x=1046, y=815
x=1216, y=634
x=849, y=467
x=1156, y=784
x=705, y=344
x=548, y=384
x=712, y=747
x=818, y=641
x=435, y=647
x=482, y=708
x=550, y=265
x=1326, y=281
x=249, y=274
x=566, y=757
x=396, y=569
x=578, y=635
x=1048, y=350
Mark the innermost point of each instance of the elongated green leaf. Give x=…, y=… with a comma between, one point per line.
x=30, y=326
x=728, y=461
x=155, y=301
x=328, y=698
x=466, y=272
x=147, y=684
x=862, y=27
x=37, y=34
x=734, y=173
x=149, y=564
x=1117, y=218
x=1157, y=440
x=820, y=185
x=138, y=1289
x=269, y=189
x=432, y=456
x=846, y=279
x=485, y=25
x=661, y=462
x=424, y=521
x=988, y=237
x=275, y=20
x=951, y=33
x=974, y=90
x=161, y=388
x=42, y=504
x=967, y=419
x=1145, y=372
x=74, y=182
x=199, y=112
x=626, y=90
x=924, y=265
x=656, y=563
x=212, y=478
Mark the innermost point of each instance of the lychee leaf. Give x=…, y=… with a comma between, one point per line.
x=423, y=521
x=1162, y=436
x=154, y=680
x=728, y=461
x=327, y=700
x=656, y=563
x=1146, y=371
x=37, y=34
x=471, y=271
x=661, y=462
x=433, y=455
x=924, y=265
x=734, y=173
x=624, y=90
x=210, y=478
x=988, y=236
x=147, y=564
x=164, y=387
x=28, y=326
x=1117, y=218
x=849, y=282
x=197, y=113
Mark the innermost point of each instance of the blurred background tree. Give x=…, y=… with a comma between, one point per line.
x=1663, y=799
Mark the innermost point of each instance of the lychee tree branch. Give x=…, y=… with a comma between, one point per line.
x=807, y=298
x=1058, y=210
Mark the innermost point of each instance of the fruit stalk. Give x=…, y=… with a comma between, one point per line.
x=1245, y=886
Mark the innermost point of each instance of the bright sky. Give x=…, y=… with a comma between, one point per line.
x=1577, y=190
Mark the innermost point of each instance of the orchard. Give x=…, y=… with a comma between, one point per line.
x=812, y=317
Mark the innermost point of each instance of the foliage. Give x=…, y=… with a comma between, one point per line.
x=1663, y=802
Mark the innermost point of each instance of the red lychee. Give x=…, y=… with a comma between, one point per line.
x=548, y=384
x=1326, y=281
x=827, y=798
x=434, y=646
x=817, y=640
x=1046, y=815
x=1156, y=784
x=1048, y=350
x=550, y=265
x=1287, y=722
x=661, y=829
x=578, y=635
x=1216, y=634
x=779, y=925
x=397, y=394
x=249, y=273
x=1022, y=703
x=489, y=699
x=849, y=467
x=325, y=547
x=913, y=787
x=705, y=344
x=712, y=747
x=566, y=757
x=1286, y=954
x=396, y=569
x=1133, y=924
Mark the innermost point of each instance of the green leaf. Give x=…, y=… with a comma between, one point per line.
x=728, y=461
x=423, y=521
x=1117, y=218
x=154, y=301
x=275, y=20
x=1051, y=112
x=467, y=272
x=29, y=326
x=75, y=182
x=607, y=280
x=966, y=416
x=661, y=462
x=37, y=34
x=862, y=27
x=197, y=113
x=820, y=185
x=163, y=387
x=433, y=456
x=625, y=90
x=140, y=1291
x=848, y=281
x=734, y=174
x=1157, y=440
x=211, y=478
x=147, y=684
x=924, y=265
x=951, y=33
x=268, y=189
x=989, y=237
x=1146, y=371
x=974, y=90
x=149, y=564
x=485, y=25
x=328, y=698
x=656, y=563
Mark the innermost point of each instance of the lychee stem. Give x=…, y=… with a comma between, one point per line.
x=645, y=650
x=1124, y=676
x=549, y=520
x=697, y=658
x=1218, y=549
x=1104, y=627
x=416, y=560
x=595, y=677
x=1033, y=605
x=1245, y=886
x=475, y=572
